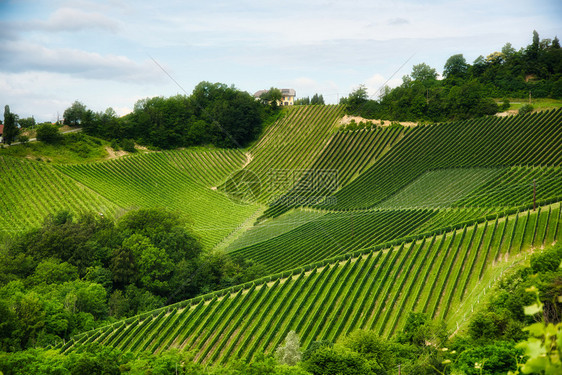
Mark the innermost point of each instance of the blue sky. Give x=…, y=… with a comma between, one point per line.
x=100, y=52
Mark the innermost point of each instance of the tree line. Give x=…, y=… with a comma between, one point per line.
x=76, y=273
x=214, y=114
x=466, y=90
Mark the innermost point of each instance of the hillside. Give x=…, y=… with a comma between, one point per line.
x=442, y=275
x=355, y=229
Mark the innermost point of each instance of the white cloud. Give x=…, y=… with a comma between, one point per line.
x=21, y=56
x=70, y=19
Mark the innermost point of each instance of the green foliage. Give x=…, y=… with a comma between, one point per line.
x=493, y=359
x=373, y=348
x=23, y=139
x=48, y=133
x=115, y=144
x=75, y=115
x=336, y=361
x=272, y=97
x=357, y=99
x=467, y=90
x=543, y=348
x=455, y=67
x=128, y=145
x=214, y=113
x=527, y=108
x=72, y=275
x=11, y=130
x=424, y=74
x=505, y=104
x=27, y=123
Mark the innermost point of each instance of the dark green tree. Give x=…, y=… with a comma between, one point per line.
x=10, y=126
x=455, y=67
x=28, y=122
x=272, y=97
x=357, y=99
x=317, y=100
x=48, y=133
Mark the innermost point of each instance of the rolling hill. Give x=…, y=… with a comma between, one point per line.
x=354, y=228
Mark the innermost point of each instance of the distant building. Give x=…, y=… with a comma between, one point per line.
x=287, y=96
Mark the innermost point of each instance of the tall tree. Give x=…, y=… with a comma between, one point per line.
x=455, y=67
x=423, y=73
x=74, y=114
x=317, y=100
x=10, y=127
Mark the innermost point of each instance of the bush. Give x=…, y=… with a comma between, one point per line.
x=128, y=145
x=115, y=144
x=505, y=104
x=48, y=133
x=328, y=360
x=527, y=108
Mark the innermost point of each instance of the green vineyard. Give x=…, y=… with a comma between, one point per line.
x=30, y=191
x=353, y=229
x=532, y=139
x=442, y=275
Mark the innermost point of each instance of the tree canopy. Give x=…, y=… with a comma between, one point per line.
x=214, y=114
x=467, y=90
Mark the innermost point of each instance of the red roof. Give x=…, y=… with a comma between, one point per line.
x=1, y=129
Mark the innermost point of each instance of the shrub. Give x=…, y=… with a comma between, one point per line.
x=527, y=108
x=48, y=133
x=115, y=144
x=505, y=104
x=128, y=145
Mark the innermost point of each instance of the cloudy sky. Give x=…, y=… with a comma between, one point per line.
x=112, y=53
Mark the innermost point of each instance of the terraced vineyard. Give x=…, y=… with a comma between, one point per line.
x=515, y=188
x=346, y=156
x=533, y=139
x=440, y=188
x=333, y=234
x=442, y=275
x=180, y=181
x=31, y=190
x=290, y=144
x=420, y=219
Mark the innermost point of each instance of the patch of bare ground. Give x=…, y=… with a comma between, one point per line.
x=112, y=154
x=507, y=113
x=347, y=119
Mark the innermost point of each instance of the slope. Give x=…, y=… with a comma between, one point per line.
x=533, y=139
x=442, y=275
x=31, y=190
x=177, y=180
